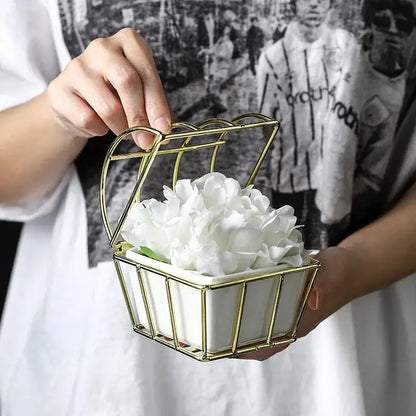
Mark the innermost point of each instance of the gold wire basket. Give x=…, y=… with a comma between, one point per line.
x=212, y=318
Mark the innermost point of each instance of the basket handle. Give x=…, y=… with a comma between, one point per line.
x=147, y=163
x=149, y=156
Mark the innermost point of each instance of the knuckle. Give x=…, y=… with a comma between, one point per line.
x=157, y=107
x=139, y=120
x=148, y=73
x=87, y=120
x=77, y=65
x=110, y=110
x=127, y=32
x=97, y=43
x=124, y=76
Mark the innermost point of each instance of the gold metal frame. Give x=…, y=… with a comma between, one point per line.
x=185, y=132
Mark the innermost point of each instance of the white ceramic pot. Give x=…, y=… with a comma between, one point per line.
x=222, y=304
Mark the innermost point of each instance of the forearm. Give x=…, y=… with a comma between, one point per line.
x=384, y=251
x=368, y=260
x=35, y=150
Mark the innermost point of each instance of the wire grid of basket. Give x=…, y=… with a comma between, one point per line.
x=150, y=288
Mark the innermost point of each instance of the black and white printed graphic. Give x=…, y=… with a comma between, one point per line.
x=202, y=54
x=334, y=73
x=338, y=87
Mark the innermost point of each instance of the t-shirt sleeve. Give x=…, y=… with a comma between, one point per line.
x=26, y=211
x=28, y=57
x=28, y=62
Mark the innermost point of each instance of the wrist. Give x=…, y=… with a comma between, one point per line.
x=333, y=288
x=359, y=268
x=55, y=123
x=345, y=263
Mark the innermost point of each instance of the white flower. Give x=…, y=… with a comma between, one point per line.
x=214, y=227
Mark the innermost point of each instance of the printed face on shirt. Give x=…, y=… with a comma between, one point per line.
x=390, y=31
x=390, y=34
x=227, y=31
x=312, y=13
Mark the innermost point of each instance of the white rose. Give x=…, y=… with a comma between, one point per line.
x=212, y=226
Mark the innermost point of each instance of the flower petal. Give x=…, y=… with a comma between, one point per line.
x=213, y=226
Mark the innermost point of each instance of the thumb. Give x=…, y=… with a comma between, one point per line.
x=312, y=315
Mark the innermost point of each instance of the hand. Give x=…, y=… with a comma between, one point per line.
x=331, y=291
x=112, y=85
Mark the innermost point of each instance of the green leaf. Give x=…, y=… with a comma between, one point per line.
x=148, y=252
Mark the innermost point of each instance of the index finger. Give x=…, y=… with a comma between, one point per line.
x=152, y=105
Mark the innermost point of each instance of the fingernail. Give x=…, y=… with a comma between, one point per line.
x=313, y=301
x=143, y=140
x=163, y=125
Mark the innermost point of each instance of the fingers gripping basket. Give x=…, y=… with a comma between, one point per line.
x=201, y=316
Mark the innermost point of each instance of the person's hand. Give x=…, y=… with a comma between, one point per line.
x=112, y=85
x=331, y=291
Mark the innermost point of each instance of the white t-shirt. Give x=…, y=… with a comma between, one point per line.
x=66, y=343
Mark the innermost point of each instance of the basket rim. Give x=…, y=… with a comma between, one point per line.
x=197, y=279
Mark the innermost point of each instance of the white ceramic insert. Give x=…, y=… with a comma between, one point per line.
x=221, y=304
